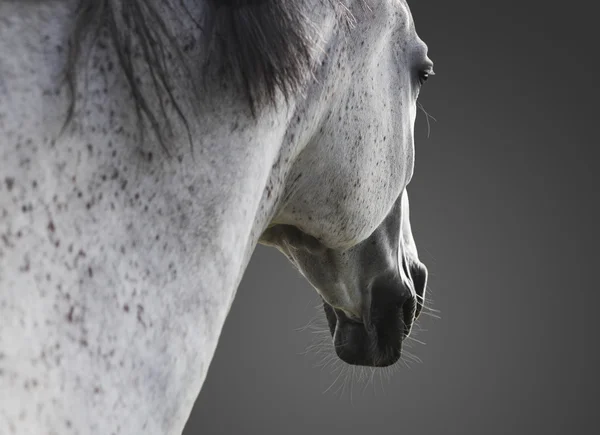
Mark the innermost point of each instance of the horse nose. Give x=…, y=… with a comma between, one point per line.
x=375, y=341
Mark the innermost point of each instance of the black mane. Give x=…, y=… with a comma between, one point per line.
x=263, y=47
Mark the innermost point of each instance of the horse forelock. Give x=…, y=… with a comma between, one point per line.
x=263, y=48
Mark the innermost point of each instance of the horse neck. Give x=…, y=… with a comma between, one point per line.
x=118, y=262
x=124, y=271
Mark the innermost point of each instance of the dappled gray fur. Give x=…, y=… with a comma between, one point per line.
x=261, y=47
x=118, y=266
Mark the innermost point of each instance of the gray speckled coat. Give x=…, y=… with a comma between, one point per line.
x=119, y=262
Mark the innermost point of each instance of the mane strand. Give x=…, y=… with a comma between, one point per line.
x=262, y=48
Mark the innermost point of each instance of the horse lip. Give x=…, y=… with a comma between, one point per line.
x=340, y=323
x=363, y=350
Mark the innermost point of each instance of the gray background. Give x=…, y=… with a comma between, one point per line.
x=504, y=211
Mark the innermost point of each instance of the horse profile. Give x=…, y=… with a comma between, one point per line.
x=148, y=146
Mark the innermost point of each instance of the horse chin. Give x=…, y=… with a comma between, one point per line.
x=375, y=343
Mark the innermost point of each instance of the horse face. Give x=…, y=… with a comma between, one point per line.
x=345, y=220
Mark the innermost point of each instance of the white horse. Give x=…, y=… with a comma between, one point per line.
x=147, y=146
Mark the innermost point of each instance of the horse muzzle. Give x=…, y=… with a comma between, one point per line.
x=376, y=339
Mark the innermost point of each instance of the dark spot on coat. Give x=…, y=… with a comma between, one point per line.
x=70, y=314
x=26, y=267
x=10, y=182
x=140, y=311
x=6, y=241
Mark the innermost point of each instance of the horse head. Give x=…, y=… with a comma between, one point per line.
x=344, y=218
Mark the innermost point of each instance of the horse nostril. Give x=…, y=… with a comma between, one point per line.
x=392, y=310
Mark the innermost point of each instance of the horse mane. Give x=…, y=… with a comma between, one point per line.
x=263, y=47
